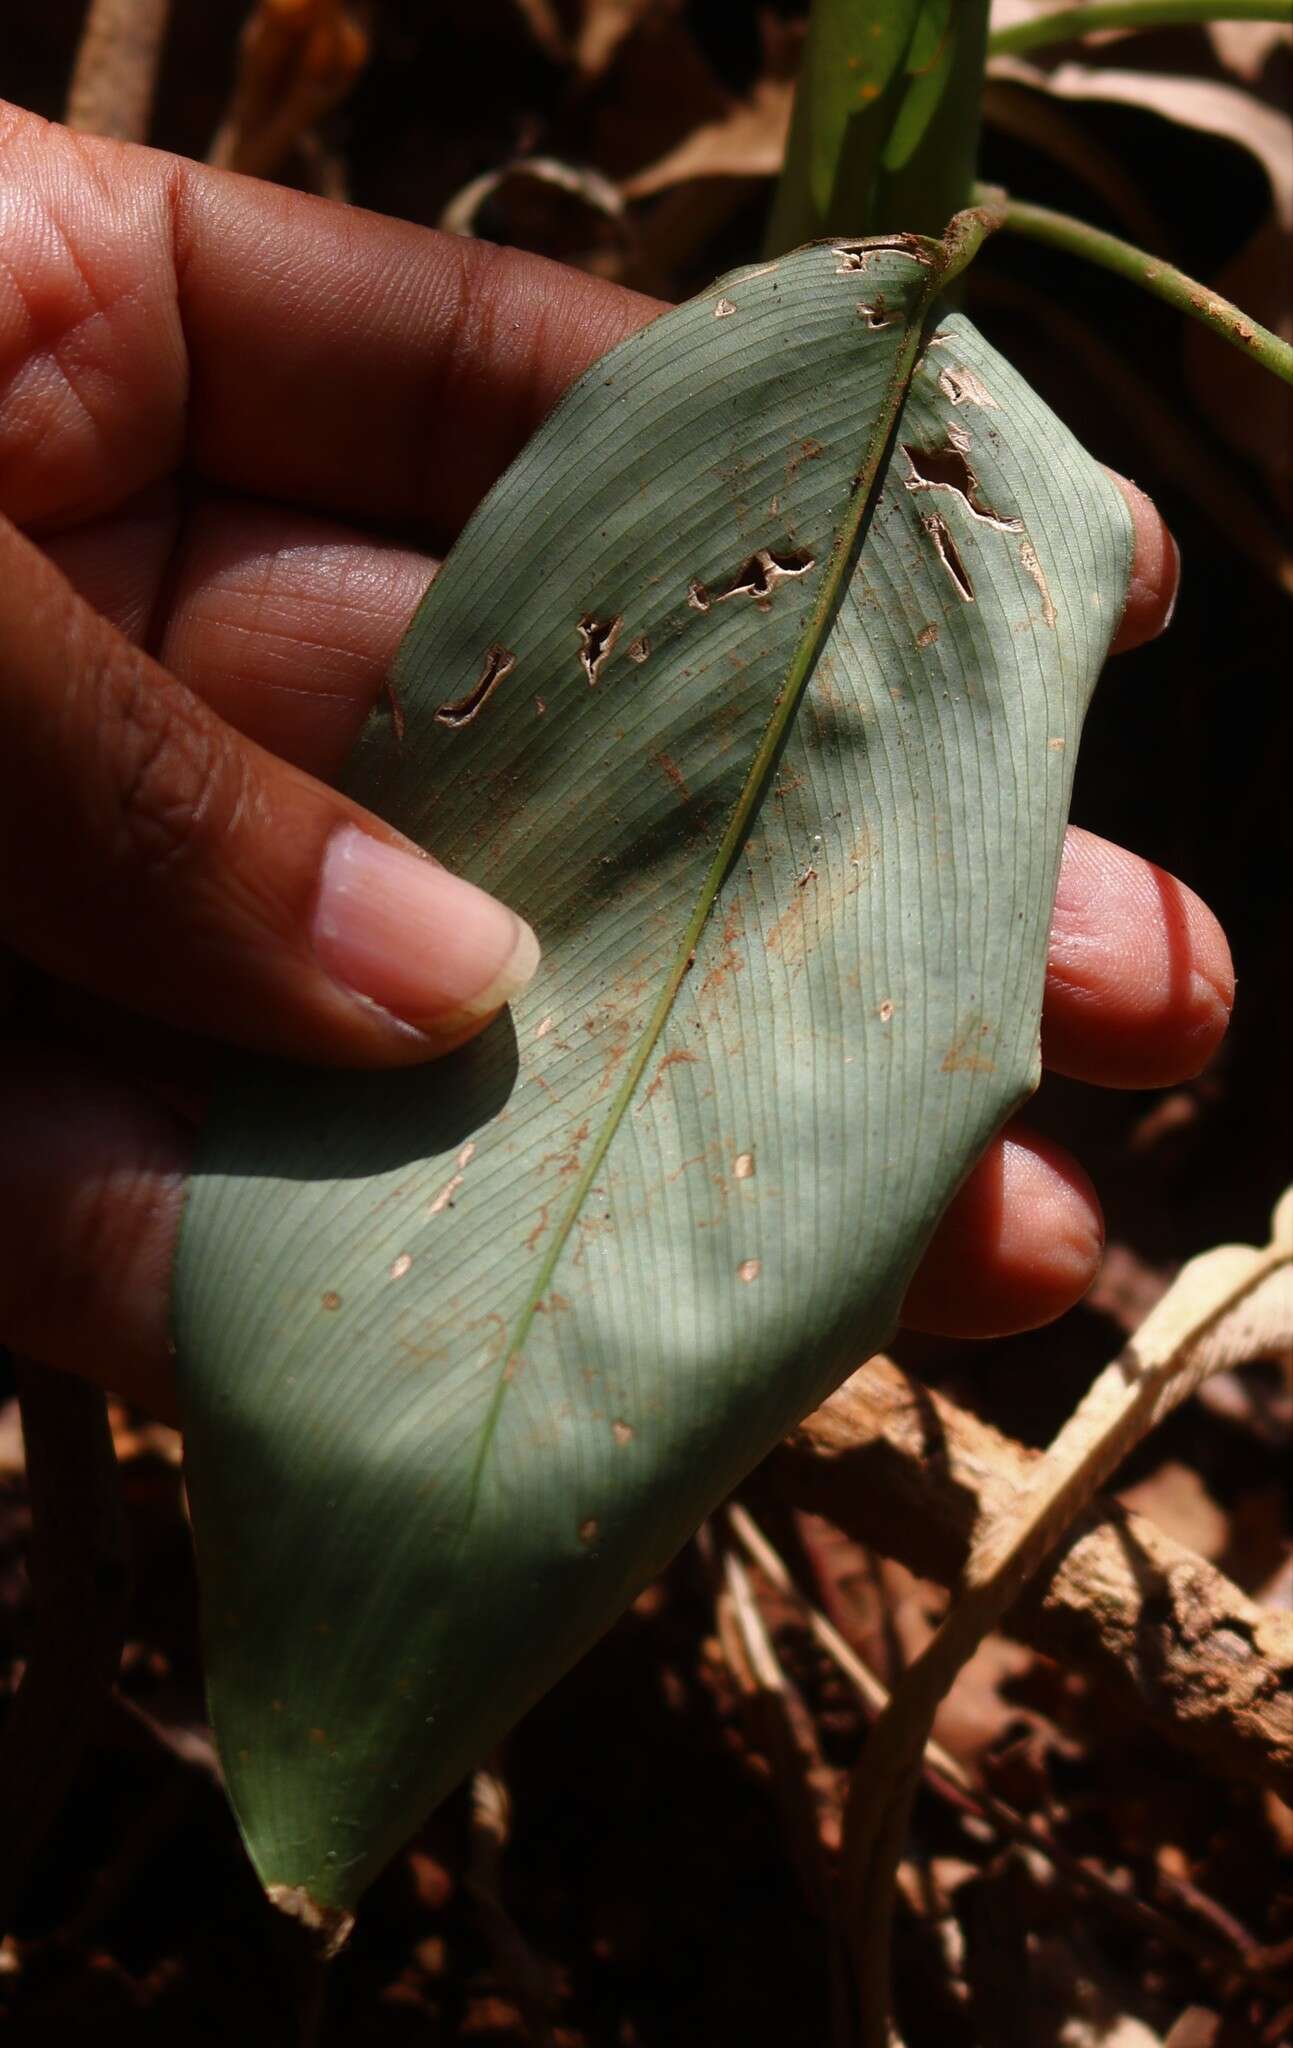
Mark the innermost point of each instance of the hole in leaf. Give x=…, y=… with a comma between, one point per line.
x=962, y=387
x=596, y=639
x=499, y=662
x=759, y=577
x=858, y=255
x=949, y=555
x=946, y=469
x=875, y=316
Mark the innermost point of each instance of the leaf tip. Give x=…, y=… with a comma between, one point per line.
x=329, y=1926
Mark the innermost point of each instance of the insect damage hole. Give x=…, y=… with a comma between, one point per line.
x=596, y=639
x=858, y=255
x=949, y=555
x=947, y=469
x=499, y=662
x=758, y=578
x=875, y=316
x=962, y=387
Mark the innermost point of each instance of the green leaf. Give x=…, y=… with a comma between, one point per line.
x=467, y=1352
x=886, y=118
x=928, y=70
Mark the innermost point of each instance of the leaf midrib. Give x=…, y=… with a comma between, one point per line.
x=787, y=704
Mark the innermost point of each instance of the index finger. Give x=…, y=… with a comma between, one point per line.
x=289, y=346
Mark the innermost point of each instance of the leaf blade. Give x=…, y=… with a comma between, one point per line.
x=438, y=1572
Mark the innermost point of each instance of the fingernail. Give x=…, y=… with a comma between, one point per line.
x=434, y=950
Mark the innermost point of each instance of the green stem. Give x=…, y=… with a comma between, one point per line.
x=1151, y=273
x=1071, y=22
x=884, y=137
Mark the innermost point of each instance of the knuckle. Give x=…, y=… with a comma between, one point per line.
x=173, y=780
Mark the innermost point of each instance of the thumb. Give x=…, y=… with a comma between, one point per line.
x=150, y=853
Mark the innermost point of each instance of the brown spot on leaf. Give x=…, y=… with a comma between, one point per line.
x=674, y=774
x=800, y=451
x=331, y=1300
x=749, y=1269
x=680, y=1057
x=731, y=962
x=962, y=1057
x=927, y=635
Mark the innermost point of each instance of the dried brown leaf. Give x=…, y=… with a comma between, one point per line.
x=748, y=141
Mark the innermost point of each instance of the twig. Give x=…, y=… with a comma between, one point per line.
x=1222, y=1308
x=115, y=74
x=900, y=1467
x=1161, y=279
x=80, y=1583
x=946, y=1775
x=1069, y=23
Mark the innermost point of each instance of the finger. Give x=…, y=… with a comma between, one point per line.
x=152, y=855
x=1139, y=981
x=1019, y=1245
x=358, y=363
x=287, y=625
x=333, y=356
x=307, y=350
x=119, y=563
x=1155, y=571
x=284, y=623
x=91, y=1189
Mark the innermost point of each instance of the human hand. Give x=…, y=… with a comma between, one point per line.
x=200, y=377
